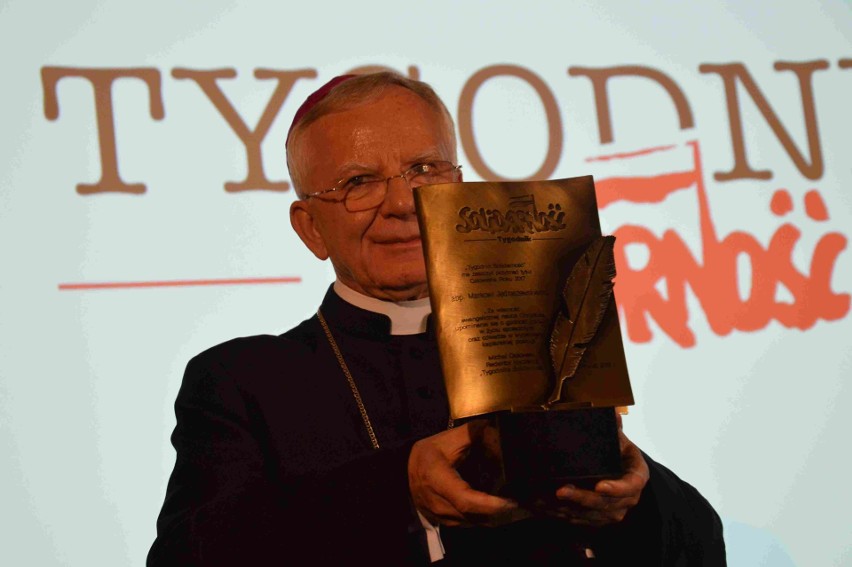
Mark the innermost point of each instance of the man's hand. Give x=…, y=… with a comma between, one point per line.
x=610, y=501
x=437, y=489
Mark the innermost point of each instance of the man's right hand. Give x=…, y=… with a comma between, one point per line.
x=438, y=491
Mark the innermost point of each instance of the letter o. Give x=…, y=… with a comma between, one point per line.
x=551, y=111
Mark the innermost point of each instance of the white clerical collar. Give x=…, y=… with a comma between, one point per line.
x=407, y=317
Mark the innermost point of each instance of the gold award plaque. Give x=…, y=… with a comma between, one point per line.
x=520, y=319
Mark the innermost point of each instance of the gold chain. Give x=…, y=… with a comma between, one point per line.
x=352, y=386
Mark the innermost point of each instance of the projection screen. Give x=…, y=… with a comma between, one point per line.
x=144, y=204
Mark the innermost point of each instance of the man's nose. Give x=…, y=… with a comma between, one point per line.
x=399, y=199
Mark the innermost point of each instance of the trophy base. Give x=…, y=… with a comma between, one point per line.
x=545, y=449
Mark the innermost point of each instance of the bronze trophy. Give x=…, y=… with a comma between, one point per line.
x=520, y=280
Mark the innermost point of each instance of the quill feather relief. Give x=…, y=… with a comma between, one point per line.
x=585, y=299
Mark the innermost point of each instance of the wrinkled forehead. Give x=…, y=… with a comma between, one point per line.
x=394, y=128
x=341, y=118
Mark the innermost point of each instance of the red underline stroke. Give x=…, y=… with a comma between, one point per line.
x=631, y=154
x=176, y=283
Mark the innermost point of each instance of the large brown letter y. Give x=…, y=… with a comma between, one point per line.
x=251, y=139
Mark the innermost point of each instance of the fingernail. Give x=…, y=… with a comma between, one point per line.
x=565, y=491
x=605, y=486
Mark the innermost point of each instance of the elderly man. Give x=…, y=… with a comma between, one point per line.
x=330, y=443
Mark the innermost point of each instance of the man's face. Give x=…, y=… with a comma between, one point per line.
x=376, y=252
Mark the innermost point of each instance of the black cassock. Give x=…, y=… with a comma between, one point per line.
x=275, y=466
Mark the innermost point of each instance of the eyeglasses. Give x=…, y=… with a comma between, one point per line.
x=367, y=191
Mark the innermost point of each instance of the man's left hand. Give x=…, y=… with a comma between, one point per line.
x=611, y=499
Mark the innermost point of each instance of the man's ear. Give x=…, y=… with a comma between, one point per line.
x=304, y=224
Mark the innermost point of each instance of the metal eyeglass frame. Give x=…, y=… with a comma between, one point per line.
x=405, y=175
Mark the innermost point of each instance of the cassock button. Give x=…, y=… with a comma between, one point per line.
x=425, y=392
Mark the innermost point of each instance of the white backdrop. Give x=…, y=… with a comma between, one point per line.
x=741, y=382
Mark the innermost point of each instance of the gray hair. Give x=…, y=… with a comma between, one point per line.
x=355, y=92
